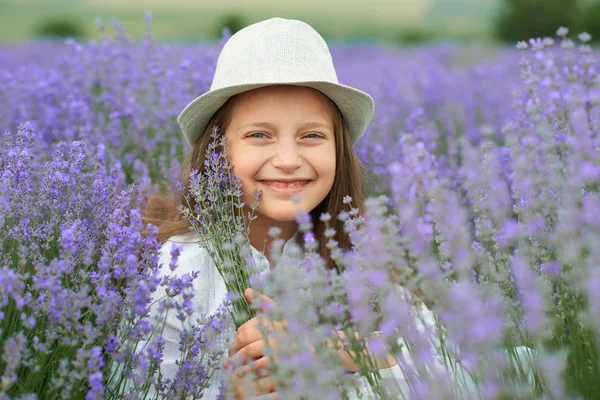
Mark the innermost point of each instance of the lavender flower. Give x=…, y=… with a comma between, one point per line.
x=473, y=264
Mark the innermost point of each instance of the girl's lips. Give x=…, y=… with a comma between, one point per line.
x=286, y=187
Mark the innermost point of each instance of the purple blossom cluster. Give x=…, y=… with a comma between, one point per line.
x=77, y=277
x=474, y=264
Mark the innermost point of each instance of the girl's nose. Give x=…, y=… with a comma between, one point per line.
x=287, y=158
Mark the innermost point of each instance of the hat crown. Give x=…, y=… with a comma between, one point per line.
x=276, y=50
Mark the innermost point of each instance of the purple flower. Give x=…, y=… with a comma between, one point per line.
x=490, y=168
x=532, y=301
x=552, y=268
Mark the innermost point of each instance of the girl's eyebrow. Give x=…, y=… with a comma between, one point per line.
x=268, y=125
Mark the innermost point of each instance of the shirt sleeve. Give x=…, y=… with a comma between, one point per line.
x=208, y=293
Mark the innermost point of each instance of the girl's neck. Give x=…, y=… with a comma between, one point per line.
x=259, y=233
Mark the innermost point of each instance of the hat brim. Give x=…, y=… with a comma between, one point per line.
x=356, y=106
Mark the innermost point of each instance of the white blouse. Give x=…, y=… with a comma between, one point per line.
x=209, y=294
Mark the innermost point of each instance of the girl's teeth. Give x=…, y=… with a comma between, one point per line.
x=288, y=184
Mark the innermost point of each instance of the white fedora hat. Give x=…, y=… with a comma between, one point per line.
x=276, y=51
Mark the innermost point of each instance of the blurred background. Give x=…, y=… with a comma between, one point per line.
x=384, y=21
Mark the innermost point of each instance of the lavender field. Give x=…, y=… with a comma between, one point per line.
x=483, y=174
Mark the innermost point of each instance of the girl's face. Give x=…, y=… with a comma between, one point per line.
x=281, y=141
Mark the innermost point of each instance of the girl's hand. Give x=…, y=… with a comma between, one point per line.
x=348, y=359
x=248, y=344
x=248, y=341
x=263, y=389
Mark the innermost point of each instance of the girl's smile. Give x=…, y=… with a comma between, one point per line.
x=286, y=186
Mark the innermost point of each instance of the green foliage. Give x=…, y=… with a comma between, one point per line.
x=525, y=19
x=415, y=35
x=60, y=27
x=589, y=19
x=233, y=21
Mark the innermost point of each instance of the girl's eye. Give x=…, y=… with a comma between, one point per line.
x=257, y=133
x=260, y=135
x=314, y=136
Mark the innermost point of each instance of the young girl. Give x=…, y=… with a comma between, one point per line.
x=290, y=128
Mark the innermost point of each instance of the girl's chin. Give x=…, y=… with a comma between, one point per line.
x=285, y=214
x=281, y=217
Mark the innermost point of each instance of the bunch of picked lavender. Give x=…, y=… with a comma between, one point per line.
x=216, y=212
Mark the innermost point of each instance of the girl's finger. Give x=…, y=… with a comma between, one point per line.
x=255, y=367
x=252, y=351
x=239, y=390
x=245, y=387
x=244, y=337
x=243, y=331
x=251, y=323
x=234, y=361
x=266, y=302
x=266, y=396
x=264, y=385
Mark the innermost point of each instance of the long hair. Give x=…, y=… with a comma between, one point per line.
x=161, y=210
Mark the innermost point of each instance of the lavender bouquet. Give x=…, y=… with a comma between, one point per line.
x=218, y=218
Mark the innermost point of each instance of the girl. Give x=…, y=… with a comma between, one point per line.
x=290, y=128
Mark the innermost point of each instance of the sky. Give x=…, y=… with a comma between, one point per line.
x=194, y=18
